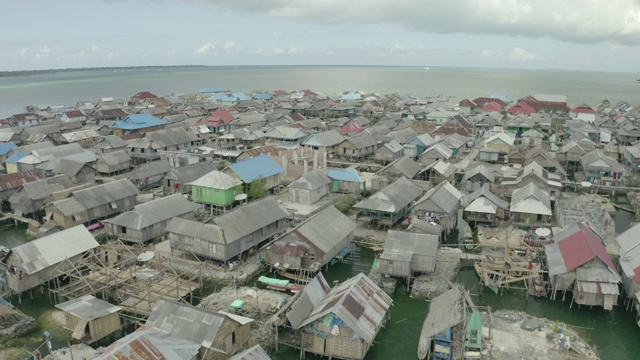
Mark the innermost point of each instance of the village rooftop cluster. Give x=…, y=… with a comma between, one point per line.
x=126, y=195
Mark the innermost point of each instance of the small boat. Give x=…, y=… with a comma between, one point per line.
x=295, y=277
x=473, y=337
x=280, y=285
x=442, y=345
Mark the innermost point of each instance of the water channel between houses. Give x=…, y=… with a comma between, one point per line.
x=614, y=333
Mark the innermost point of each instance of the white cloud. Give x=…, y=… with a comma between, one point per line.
x=229, y=48
x=24, y=52
x=43, y=52
x=278, y=51
x=520, y=54
x=95, y=48
x=206, y=48
x=580, y=21
x=516, y=54
x=293, y=50
x=113, y=55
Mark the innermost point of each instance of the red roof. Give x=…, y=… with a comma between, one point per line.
x=485, y=100
x=492, y=106
x=15, y=180
x=456, y=125
x=279, y=92
x=521, y=108
x=219, y=117
x=143, y=95
x=583, y=109
x=544, y=105
x=74, y=113
x=467, y=103
x=351, y=128
x=583, y=246
x=308, y=92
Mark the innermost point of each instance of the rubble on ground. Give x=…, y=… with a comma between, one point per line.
x=447, y=267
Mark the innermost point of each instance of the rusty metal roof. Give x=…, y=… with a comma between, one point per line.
x=16, y=180
x=359, y=303
x=151, y=344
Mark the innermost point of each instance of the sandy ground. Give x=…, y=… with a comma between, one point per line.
x=511, y=342
x=259, y=303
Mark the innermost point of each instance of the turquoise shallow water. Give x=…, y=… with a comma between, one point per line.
x=71, y=87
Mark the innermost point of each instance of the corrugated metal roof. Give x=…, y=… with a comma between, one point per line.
x=256, y=168
x=487, y=195
x=248, y=218
x=189, y=173
x=359, y=303
x=150, y=169
x=253, y=353
x=404, y=165
x=154, y=212
x=443, y=198
x=105, y=193
x=187, y=322
x=349, y=175
x=424, y=227
x=66, y=166
x=150, y=344
x=69, y=206
x=16, y=180
x=216, y=180
x=115, y=158
x=310, y=298
x=40, y=189
x=578, y=244
x=393, y=198
x=403, y=246
x=312, y=180
x=362, y=141
x=53, y=249
x=195, y=229
x=88, y=307
x=441, y=149
x=445, y=311
x=530, y=199
x=170, y=137
x=325, y=230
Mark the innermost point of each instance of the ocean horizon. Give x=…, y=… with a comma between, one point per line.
x=68, y=86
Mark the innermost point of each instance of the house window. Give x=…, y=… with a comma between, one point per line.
x=123, y=229
x=276, y=224
x=233, y=338
x=76, y=217
x=114, y=205
x=212, y=248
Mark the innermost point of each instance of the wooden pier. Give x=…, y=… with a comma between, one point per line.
x=33, y=224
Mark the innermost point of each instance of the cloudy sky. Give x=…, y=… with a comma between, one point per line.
x=601, y=35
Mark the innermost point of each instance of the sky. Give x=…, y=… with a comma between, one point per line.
x=598, y=35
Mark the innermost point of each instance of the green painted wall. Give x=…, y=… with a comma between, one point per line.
x=205, y=195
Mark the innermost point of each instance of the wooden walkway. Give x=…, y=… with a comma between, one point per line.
x=19, y=218
x=474, y=257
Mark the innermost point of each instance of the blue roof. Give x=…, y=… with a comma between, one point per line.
x=13, y=159
x=351, y=96
x=351, y=175
x=4, y=148
x=138, y=121
x=241, y=96
x=209, y=89
x=264, y=96
x=502, y=97
x=219, y=96
x=260, y=167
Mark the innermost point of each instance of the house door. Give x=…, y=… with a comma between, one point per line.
x=336, y=185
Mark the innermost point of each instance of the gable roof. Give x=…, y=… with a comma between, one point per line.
x=312, y=180
x=216, y=180
x=350, y=175
x=88, y=307
x=579, y=244
x=444, y=195
x=260, y=167
x=393, y=198
x=151, y=344
x=315, y=232
x=479, y=169
x=530, y=199
x=189, y=322
x=250, y=217
x=324, y=139
x=105, y=193
x=403, y=246
x=16, y=180
x=359, y=303
x=52, y=249
x=521, y=108
x=154, y=212
x=405, y=166
x=138, y=121
x=484, y=201
x=501, y=137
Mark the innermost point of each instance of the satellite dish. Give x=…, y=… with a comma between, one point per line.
x=146, y=256
x=585, y=184
x=241, y=197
